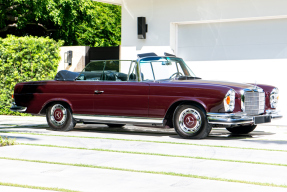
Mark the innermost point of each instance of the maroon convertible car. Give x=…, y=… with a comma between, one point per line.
x=153, y=90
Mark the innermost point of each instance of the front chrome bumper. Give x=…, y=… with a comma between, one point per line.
x=18, y=108
x=241, y=118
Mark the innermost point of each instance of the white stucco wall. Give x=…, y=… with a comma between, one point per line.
x=161, y=13
x=165, y=19
x=78, y=59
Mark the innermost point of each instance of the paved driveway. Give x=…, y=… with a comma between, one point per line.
x=98, y=158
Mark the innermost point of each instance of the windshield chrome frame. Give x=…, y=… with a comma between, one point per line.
x=175, y=58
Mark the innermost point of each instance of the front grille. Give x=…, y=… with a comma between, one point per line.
x=254, y=103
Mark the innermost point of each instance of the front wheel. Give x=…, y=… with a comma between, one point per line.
x=59, y=117
x=242, y=129
x=190, y=122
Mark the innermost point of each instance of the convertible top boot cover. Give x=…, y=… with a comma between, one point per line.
x=65, y=75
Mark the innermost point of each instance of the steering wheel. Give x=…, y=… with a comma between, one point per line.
x=176, y=74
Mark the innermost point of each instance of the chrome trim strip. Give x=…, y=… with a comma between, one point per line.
x=274, y=114
x=237, y=118
x=18, y=108
x=227, y=114
x=118, y=119
x=229, y=119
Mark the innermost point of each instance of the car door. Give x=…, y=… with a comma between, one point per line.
x=118, y=94
x=82, y=90
x=122, y=99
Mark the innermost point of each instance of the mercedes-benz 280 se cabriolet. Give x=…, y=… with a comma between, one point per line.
x=152, y=90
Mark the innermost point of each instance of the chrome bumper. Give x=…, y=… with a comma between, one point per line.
x=241, y=118
x=18, y=108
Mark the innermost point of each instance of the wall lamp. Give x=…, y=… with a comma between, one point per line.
x=142, y=28
x=68, y=57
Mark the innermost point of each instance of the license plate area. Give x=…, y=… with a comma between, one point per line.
x=262, y=119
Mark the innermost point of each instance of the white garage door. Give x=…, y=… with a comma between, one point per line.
x=244, y=40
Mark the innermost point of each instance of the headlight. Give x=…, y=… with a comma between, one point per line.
x=229, y=101
x=274, y=96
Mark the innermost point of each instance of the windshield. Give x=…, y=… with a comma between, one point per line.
x=160, y=68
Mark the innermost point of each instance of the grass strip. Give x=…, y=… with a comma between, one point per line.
x=148, y=141
x=156, y=154
x=151, y=172
x=36, y=187
x=5, y=141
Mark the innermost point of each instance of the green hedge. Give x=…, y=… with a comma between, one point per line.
x=25, y=59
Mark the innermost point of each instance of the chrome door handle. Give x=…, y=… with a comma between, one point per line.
x=98, y=92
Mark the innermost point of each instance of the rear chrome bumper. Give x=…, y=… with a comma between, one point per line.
x=18, y=108
x=241, y=118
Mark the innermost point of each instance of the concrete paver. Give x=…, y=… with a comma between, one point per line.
x=147, y=147
x=227, y=170
x=265, y=142
x=91, y=179
x=88, y=179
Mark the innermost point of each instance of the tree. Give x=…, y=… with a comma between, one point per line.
x=77, y=22
x=103, y=28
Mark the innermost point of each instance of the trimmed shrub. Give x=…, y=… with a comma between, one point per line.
x=25, y=59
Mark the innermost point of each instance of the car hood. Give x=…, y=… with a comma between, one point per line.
x=235, y=86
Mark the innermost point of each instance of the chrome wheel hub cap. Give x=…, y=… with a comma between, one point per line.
x=190, y=120
x=58, y=115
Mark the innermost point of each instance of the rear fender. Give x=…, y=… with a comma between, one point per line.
x=47, y=103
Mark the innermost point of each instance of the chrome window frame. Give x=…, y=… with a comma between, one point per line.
x=174, y=59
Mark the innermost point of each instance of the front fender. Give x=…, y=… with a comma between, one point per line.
x=208, y=104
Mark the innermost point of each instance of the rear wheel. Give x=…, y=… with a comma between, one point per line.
x=242, y=129
x=190, y=122
x=59, y=117
x=115, y=125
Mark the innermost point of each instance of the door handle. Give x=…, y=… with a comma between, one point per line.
x=98, y=92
